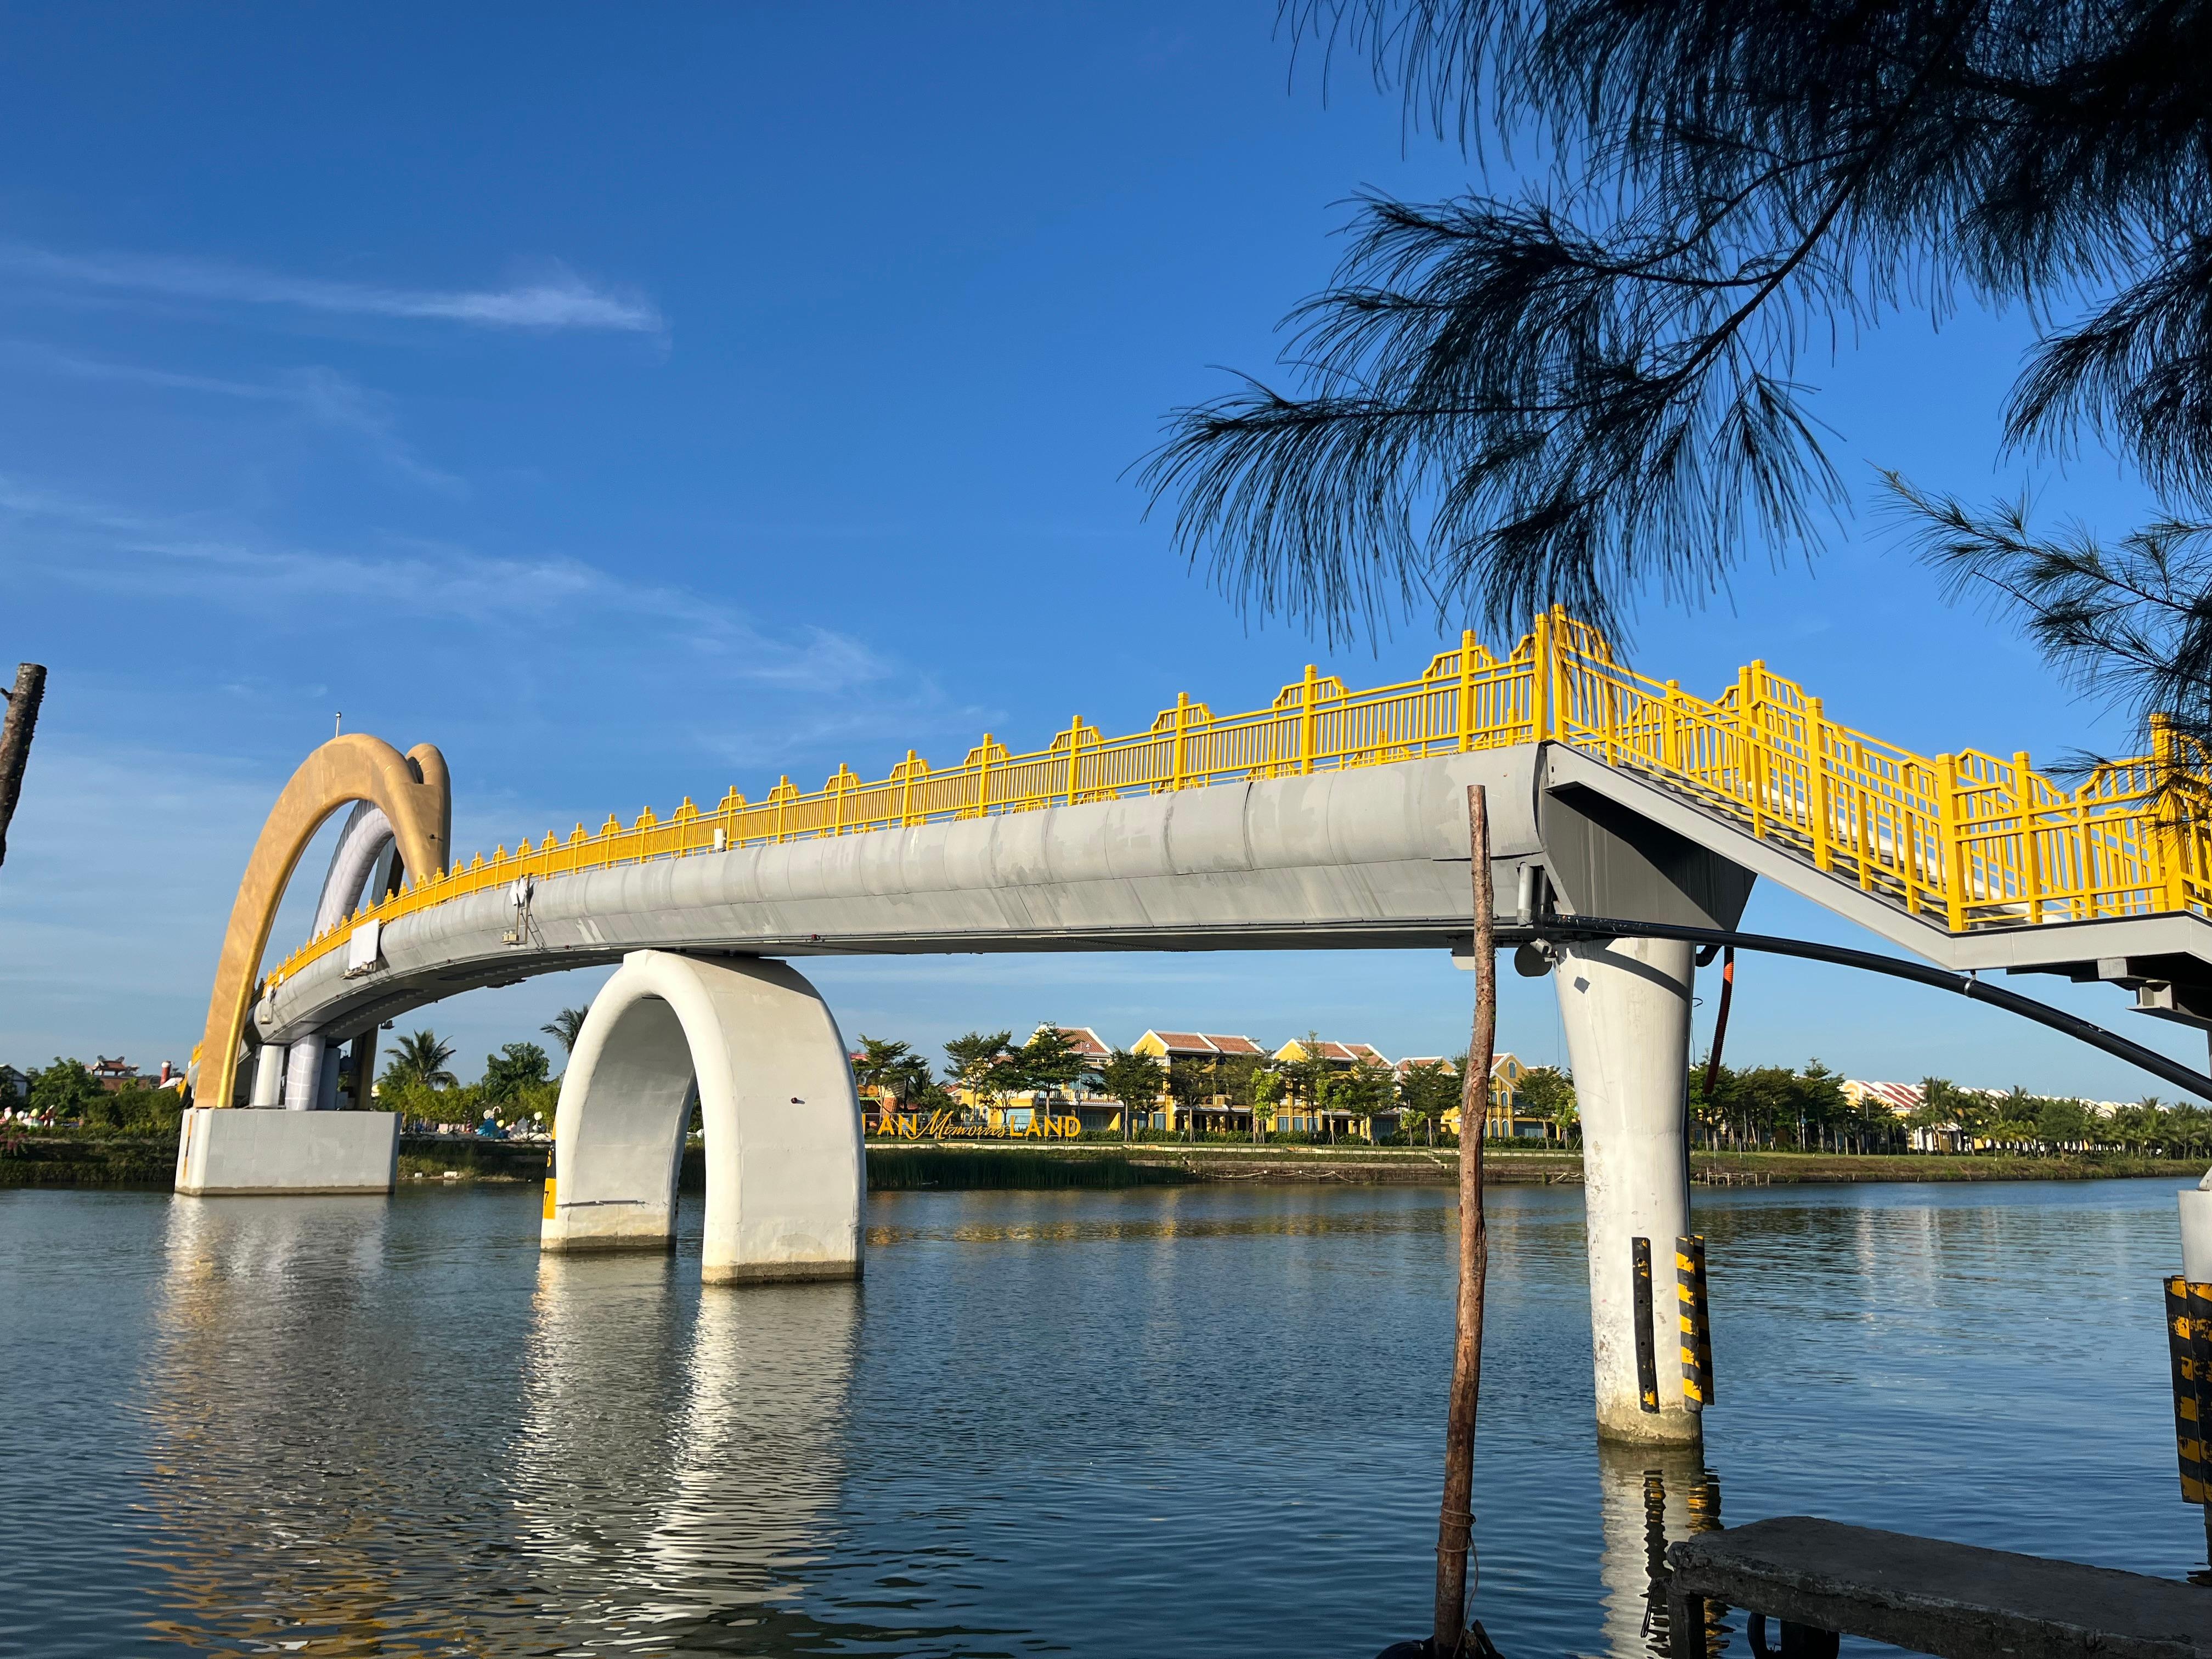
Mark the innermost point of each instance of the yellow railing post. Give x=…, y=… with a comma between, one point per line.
x=1816, y=783
x=983, y=780
x=1670, y=731
x=2165, y=815
x=1181, y=725
x=1952, y=857
x=1074, y=748
x=1309, y=722
x=1540, y=681
x=1747, y=736
x=1466, y=690
x=2030, y=854
x=1865, y=797
x=906, y=790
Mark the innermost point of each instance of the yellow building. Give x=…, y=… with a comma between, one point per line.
x=1217, y=1113
x=1509, y=1118
x=1299, y=1117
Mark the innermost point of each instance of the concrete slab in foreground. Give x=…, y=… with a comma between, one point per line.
x=237, y=1150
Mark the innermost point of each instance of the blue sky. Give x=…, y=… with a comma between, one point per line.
x=637, y=403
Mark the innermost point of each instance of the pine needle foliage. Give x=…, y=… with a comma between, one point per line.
x=1588, y=391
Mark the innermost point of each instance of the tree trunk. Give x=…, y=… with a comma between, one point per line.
x=22, y=718
x=1455, y=1521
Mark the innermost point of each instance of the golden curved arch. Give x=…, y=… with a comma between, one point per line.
x=416, y=793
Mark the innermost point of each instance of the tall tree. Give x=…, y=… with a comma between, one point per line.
x=419, y=1059
x=564, y=1027
x=1047, y=1060
x=516, y=1067
x=978, y=1062
x=1136, y=1081
x=1426, y=1093
x=1584, y=386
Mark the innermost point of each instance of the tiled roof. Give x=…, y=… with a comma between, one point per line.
x=1234, y=1045
x=1084, y=1040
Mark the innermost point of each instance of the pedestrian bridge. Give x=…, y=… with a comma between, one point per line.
x=1333, y=817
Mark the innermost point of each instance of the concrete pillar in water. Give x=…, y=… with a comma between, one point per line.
x=269, y=1075
x=1626, y=1006
x=786, y=1187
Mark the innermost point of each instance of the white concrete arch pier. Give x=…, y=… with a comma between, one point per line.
x=785, y=1180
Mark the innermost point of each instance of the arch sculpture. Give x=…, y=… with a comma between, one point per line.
x=412, y=791
x=785, y=1175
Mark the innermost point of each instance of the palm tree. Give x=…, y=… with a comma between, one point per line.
x=420, y=1058
x=564, y=1026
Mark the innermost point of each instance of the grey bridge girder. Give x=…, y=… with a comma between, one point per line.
x=1363, y=857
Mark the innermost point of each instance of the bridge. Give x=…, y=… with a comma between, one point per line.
x=1332, y=818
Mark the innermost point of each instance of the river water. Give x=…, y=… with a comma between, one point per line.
x=1183, y=1421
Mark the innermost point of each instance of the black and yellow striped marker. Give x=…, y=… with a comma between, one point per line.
x=2182, y=1346
x=1697, y=1332
x=1647, y=1359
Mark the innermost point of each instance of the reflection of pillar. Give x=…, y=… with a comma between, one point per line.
x=265, y=1327
x=758, y=1460
x=663, y=1484
x=1648, y=1497
x=1625, y=1004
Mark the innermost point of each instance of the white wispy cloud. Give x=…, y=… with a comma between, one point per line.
x=119, y=549
x=320, y=394
x=557, y=298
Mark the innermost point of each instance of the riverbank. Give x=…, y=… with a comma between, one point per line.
x=66, y=1160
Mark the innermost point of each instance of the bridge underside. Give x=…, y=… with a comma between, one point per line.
x=1364, y=859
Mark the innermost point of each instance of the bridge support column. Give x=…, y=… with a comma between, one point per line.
x=269, y=1075
x=785, y=1175
x=1626, y=1008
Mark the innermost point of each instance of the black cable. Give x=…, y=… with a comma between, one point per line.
x=1570, y=929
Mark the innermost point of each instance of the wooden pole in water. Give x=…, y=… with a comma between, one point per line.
x=1455, y=1522
x=15, y=729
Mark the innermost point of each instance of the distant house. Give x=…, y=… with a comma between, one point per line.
x=14, y=1085
x=1218, y=1113
x=114, y=1074
x=1299, y=1117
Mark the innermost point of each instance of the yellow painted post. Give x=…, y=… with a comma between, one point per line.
x=2169, y=869
x=1747, y=735
x=906, y=790
x=1951, y=842
x=1866, y=816
x=837, y=803
x=1466, y=690
x=1670, y=731
x=783, y=801
x=983, y=780
x=1181, y=725
x=1540, y=681
x=1308, y=722
x=1074, y=746
x=2030, y=854
x=1816, y=783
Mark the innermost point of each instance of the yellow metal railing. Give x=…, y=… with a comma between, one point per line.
x=1968, y=840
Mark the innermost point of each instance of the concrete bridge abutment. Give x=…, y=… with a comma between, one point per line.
x=784, y=1176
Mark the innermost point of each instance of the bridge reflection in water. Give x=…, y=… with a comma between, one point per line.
x=312, y=1490
x=1649, y=1497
